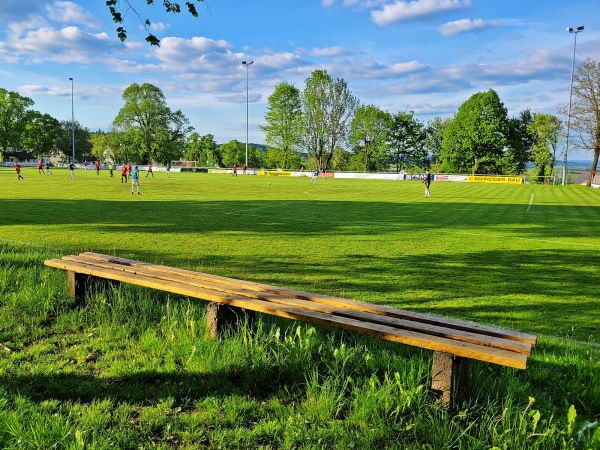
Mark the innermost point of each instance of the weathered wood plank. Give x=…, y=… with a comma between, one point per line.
x=332, y=301
x=436, y=343
x=374, y=317
x=315, y=306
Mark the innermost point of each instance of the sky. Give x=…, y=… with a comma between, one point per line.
x=426, y=56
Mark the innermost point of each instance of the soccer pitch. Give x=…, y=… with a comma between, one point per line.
x=523, y=257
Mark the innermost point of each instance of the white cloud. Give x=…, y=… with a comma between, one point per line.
x=17, y=29
x=401, y=11
x=328, y=51
x=327, y=3
x=67, y=45
x=464, y=26
x=159, y=26
x=71, y=13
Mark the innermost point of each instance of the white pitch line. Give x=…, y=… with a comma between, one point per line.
x=530, y=202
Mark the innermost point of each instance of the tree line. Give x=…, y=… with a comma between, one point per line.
x=324, y=125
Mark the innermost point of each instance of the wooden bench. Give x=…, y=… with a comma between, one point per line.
x=453, y=341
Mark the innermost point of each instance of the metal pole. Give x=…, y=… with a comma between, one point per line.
x=247, y=64
x=565, y=171
x=72, y=122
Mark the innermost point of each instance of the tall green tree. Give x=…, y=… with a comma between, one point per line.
x=203, y=150
x=407, y=141
x=64, y=144
x=585, y=112
x=327, y=109
x=234, y=154
x=546, y=130
x=434, y=133
x=41, y=134
x=14, y=110
x=369, y=132
x=149, y=128
x=475, y=139
x=520, y=141
x=283, y=120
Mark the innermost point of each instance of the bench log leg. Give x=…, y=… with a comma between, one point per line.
x=449, y=376
x=221, y=318
x=79, y=284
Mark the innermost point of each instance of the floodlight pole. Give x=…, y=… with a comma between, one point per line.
x=72, y=122
x=247, y=64
x=574, y=31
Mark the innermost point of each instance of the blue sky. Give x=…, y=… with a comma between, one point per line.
x=426, y=56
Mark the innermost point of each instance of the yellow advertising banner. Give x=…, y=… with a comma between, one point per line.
x=494, y=179
x=275, y=173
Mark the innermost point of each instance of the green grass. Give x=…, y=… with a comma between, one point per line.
x=131, y=368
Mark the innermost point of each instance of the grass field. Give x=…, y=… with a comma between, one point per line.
x=131, y=369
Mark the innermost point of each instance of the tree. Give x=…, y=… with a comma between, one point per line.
x=41, y=134
x=407, y=139
x=281, y=131
x=64, y=144
x=585, y=111
x=434, y=132
x=546, y=130
x=234, y=154
x=475, y=139
x=169, y=5
x=327, y=108
x=14, y=110
x=369, y=131
x=203, y=150
x=149, y=129
x=521, y=140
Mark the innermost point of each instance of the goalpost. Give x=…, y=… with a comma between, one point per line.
x=535, y=179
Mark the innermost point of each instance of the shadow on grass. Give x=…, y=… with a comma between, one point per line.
x=300, y=217
x=145, y=387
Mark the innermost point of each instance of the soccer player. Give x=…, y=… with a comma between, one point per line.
x=234, y=171
x=149, y=170
x=17, y=168
x=48, y=168
x=124, y=173
x=72, y=170
x=111, y=167
x=168, y=170
x=40, y=167
x=427, y=181
x=97, y=167
x=135, y=179
x=315, y=176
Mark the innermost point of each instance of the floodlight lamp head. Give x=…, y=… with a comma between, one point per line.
x=244, y=62
x=70, y=78
x=580, y=28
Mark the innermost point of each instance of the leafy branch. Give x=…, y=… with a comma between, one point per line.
x=114, y=6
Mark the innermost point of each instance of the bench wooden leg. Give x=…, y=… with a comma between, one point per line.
x=449, y=376
x=220, y=318
x=79, y=284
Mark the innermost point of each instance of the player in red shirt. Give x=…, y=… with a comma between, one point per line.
x=149, y=170
x=17, y=168
x=124, y=173
x=40, y=167
x=97, y=167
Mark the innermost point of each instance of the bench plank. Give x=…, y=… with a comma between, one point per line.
x=319, y=307
x=328, y=300
x=383, y=331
